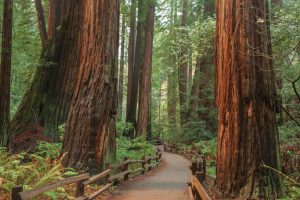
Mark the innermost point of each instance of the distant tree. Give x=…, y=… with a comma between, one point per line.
x=5, y=71
x=246, y=101
x=138, y=63
x=122, y=64
x=131, y=54
x=89, y=140
x=146, y=74
x=183, y=65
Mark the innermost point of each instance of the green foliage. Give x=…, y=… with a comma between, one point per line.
x=123, y=127
x=49, y=150
x=33, y=170
x=133, y=148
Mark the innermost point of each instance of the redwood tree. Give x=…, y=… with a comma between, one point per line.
x=90, y=132
x=245, y=96
x=131, y=53
x=183, y=65
x=138, y=63
x=146, y=74
x=5, y=71
x=122, y=63
x=41, y=22
x=45, y=105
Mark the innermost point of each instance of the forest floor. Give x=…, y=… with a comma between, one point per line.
x=167, y=182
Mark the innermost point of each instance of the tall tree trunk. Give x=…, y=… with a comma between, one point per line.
x=41, y=22
x=5, y=71
x=122, y=63
x=145, y=87
x=58, y=11
x=245, y=96
x=90, y=132
x=131, y=52
x=46, y=104
x=183, y=65
x=138, y=63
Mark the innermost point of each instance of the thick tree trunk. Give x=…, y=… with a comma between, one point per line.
x=145, y=87
x=90, y=132
x=5, y=71
x=121, y=72
x=46, y=104
x=245, y=96
x=41, y=22
x=131, y=53
x=138, y=64
x=183, y=65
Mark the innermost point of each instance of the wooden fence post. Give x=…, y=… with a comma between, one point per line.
x=149, y=163
x=194, y=168
x=204, y=167
x=143, y=165
x=80, y=189
x=126, y=167
x=15, y=193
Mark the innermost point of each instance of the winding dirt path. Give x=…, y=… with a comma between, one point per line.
x=167, y=182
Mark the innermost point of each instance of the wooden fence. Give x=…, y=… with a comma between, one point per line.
x=83, y=180
x=197, y=169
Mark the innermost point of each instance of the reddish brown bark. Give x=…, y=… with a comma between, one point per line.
x=58, y=11
x=131, y=52
x=183, y=65
x=145, y=87
x=90, y=132
x=45, y=105
x=138, y=64
x=41, y=22
x=5, y=71
x=245, y=96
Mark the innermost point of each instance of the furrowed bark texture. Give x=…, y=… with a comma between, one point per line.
x=41, y=22
x=138, y=64
x=145, y=87
x=90, y=132
x=183, y=65
x=45, y=105
x=5, y=71
x=245, y=96
x=58, y=12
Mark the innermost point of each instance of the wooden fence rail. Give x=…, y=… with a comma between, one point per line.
x=85, y=179
x=197, y=169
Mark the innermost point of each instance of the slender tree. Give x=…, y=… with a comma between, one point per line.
x=145, y=87
x=131, y=53
x=122, y=63
x=183, y=65
x=90, y=132
x=245, y=96
x=173, y=76
x=5, y=71
x=41, y=22
x=138, y=63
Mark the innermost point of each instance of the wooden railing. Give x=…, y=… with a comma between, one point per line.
x=174, y=148
x=85, y=179
x=197, y=169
